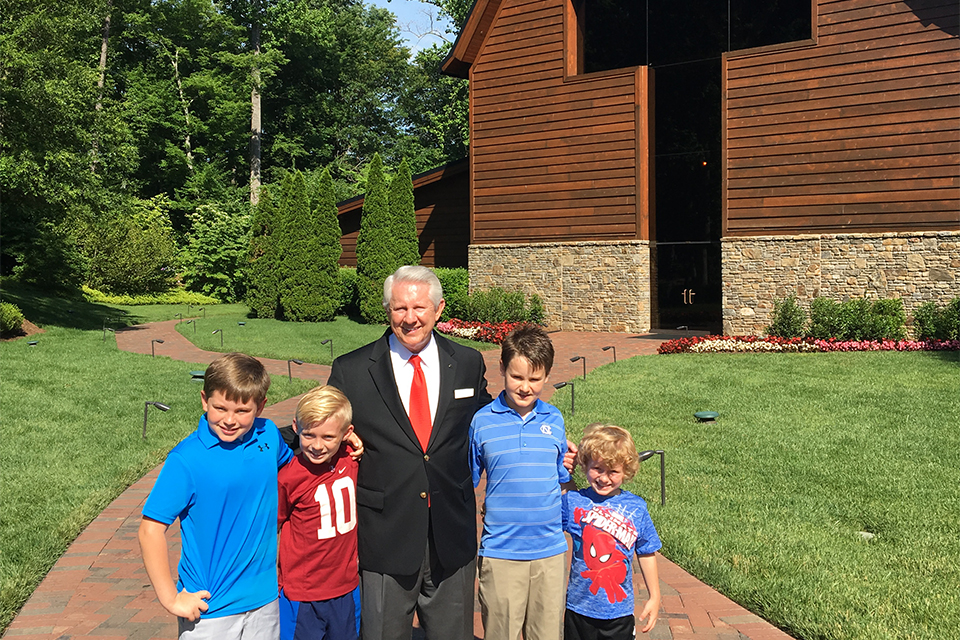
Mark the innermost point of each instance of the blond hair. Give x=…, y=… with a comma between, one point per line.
x=323, y=403
x=238, y=376
x=611, y=445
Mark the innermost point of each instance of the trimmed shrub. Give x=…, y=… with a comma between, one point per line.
x=175, y=296
x=375, y=258
x=887, y=320
x=789, y=319
x=497, y=306
x=11, y=318
x=263, y=263
x=456, y=287
x=825, y=320
x=931, y=322
x=403, y=217
x=857, y=319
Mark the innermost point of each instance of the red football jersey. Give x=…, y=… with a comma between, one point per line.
x=317, y=517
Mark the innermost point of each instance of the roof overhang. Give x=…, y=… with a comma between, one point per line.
x=419, y=180
x=468, y=43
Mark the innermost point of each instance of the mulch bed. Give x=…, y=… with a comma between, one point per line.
x=28, y=329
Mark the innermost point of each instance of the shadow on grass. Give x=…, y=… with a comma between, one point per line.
x=64, y=310
x=946, y=356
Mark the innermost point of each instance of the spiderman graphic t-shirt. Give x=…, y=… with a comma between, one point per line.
x=605, y=532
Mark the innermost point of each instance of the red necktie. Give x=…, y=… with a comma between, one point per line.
x=420, y=404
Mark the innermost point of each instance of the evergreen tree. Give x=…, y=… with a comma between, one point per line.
x=263, y=267
x=403, y=217
x=375, y=258
x=311, y=250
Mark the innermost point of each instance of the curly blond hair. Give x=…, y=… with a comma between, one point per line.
x=611, y=445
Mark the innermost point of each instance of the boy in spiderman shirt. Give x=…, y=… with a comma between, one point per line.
x=317, y=519
x=607, y=525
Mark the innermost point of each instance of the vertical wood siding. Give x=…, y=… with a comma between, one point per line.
x=857, y=133
x=554, y=157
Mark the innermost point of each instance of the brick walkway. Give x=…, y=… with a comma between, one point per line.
x=99, y=590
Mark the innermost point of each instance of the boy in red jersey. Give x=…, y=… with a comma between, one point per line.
x=317, y=518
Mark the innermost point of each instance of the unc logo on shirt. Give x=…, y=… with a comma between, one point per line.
x=545, y=430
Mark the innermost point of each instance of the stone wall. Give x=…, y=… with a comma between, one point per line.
x=915, y=266
x=585, y=286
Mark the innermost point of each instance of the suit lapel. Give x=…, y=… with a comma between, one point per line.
x=448, y=380
x=381, y=371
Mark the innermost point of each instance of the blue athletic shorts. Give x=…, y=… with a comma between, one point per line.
x=334, y=619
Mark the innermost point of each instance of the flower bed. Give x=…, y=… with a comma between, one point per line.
x=755, y=344
x=479, y=331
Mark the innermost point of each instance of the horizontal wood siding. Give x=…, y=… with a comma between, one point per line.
x=554, y=157
x=858, y=133
x=443, y=223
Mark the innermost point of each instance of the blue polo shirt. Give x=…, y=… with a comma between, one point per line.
x=523, y=459
x=225, y=495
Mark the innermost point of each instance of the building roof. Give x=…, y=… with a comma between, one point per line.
x=467, y=46
x=420, y=180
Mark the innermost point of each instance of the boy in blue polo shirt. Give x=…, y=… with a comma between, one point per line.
x=520, y=442
x=221, y=481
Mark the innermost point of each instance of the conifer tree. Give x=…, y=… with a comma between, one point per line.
x=308, y=289
x=375, y=258
x=263, y=266
x=403, y=217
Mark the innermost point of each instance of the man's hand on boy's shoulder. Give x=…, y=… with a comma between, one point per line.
x=189, y=605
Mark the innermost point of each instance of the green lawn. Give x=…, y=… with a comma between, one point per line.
x=768, y=503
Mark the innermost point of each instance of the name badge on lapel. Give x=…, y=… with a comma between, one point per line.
x=463, y=393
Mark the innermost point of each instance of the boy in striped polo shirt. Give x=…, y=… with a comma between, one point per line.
x=520, y=442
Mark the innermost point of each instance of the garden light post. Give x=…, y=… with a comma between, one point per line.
x=241, y=324
x=584, y=360
x=561, y=385
x=105, y=329
x=290, y=373
x=146, y=407
x=194, y=323
x=663, y=475
x=204, y=309
x=220, y=331
x=152, y=344
x=330, y=340
x=179, y=317
x=614, y=351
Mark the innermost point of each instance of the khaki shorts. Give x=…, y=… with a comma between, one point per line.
x=522, y=597
x=258, y=624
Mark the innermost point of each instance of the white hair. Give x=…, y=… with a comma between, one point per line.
x=413, y=275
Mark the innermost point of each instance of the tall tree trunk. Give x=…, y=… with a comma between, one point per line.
x=101, y=81
x=184, y=104
x=255, y=126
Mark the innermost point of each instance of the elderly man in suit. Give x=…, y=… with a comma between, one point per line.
x=414, y=394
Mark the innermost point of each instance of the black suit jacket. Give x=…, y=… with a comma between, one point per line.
x=396, y=474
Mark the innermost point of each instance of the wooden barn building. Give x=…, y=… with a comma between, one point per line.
x=684, y=163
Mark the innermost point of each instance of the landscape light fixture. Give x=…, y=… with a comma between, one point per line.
x=152, y=343
x=663, y=476
x=706, y=416
x=561, y=385
x=204, y=312
x=330, y=340
x=220, y=331
x=614, y=351
x=241, y=324
x=105, y=329
x=32, y=343
x=294, y=361
x=146, y=406
x=179, y=317
x=575, y=358
x=194, y=323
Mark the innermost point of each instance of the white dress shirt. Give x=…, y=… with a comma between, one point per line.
x=403, y=372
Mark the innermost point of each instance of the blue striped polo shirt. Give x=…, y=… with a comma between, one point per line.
x=523, y=460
